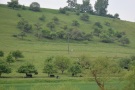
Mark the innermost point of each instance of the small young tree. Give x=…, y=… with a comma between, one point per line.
x=75, y=69
x=42, y=18
x=24, y=26
x=49, y=66
x=9, y=59
x=27, y=69
x=75, y=23
x=38, y=27
x=34, y=6
x=51, y=25
x=17, y=54
x=62, y=63
x=4, y=68
x=1, y=53
x=22, y=35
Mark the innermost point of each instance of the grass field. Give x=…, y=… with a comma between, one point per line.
x=36, y=51
x=53, y=84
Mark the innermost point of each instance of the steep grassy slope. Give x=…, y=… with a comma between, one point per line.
x=36, y=51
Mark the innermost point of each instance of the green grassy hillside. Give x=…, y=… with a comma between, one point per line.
x=36, y=51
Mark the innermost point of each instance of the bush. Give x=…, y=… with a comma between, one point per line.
x=1, y=53
x=85, y=17
x=42, y=18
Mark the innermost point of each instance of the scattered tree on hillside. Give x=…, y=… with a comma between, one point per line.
x=75, y=23
x=34, y=6
x=28, y=69
x=116, y=16
x=85, y=17
x=55, y=20
x=101, y=7
x=51, y=25
x=42, y=18
x=38, y=28
x=9, y=59
x=1, y=53
x=124, y=41
x=4, y=68
x=62, y=63
x=24, y=26
x=22, y=35
x=14, y=4
x=17, y=54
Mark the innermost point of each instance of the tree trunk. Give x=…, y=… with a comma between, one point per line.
x=101, y=85
x=0, y=75
x=62, y=71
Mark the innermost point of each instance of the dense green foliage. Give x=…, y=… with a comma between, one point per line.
x=4, y=68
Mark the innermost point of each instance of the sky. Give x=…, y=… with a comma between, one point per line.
x=125, y=8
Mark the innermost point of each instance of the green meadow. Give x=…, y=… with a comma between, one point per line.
x=36, y=51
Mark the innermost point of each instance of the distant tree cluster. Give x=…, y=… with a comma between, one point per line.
x=100, y=8
x=14, y=4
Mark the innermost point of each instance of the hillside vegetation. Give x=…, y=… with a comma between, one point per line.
x=37, y=50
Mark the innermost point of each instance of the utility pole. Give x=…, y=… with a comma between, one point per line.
x=68, y=42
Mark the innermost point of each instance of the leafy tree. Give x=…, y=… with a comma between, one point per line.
x=17, y=54
x=46, y=33
x=62, y=63
x=9, y=59
x=125, y=63
x=13, y=4
x=75, y=23
x=106, y=38
x=27, y=69
x=72, y=3
x=86, y=6
x=88, y=37
x=53, y=35
x=34, y=6
x=84, y=62
x=84, y=17
x=4, y=68
x=38, y=28
x=1, y=53
x=23, y=7
x=75, y=69
x=22, y=34
x=49, y=66
x=62, y=10
x=116, y=16
x=24, y=26
x=42, y=18
x=124, y=41
x=61, y=34
x=51, y=25
x=98, y=24
x=97, y=31
x=102, y=69
x=101, y=7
